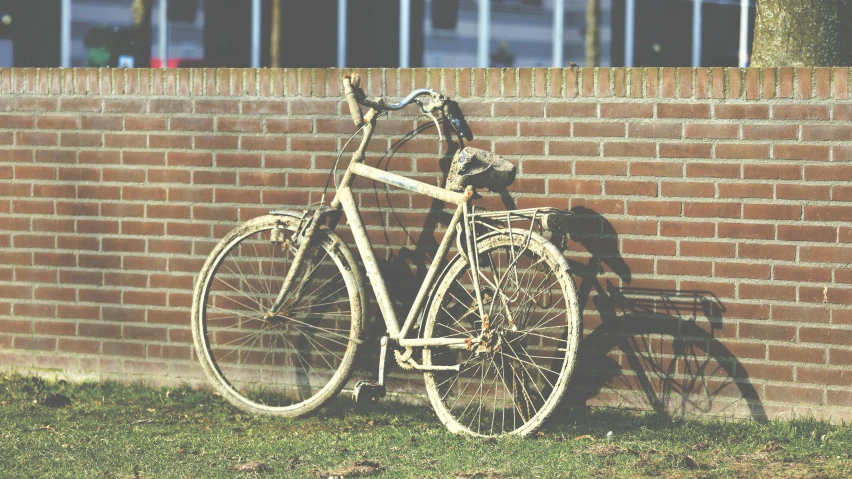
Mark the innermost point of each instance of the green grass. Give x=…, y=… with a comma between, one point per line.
x=117, y=431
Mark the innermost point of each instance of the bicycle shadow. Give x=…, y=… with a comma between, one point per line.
x=649, y=348
x=646, y=348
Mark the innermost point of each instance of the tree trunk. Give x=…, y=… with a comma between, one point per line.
x=141, y=11
x=593, y=47
x=275, y=35
x=802, y=33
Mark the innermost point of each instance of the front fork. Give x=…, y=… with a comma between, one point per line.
x=306, y=237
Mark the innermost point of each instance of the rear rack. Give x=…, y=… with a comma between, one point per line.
x=552, y=219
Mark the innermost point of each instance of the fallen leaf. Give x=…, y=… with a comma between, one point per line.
x=359, y=469
x=605, y=450
x=487, y=474
x=584, y=437
x=772, y=446
x=252, y=466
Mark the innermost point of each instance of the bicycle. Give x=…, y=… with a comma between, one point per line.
x=279, y=306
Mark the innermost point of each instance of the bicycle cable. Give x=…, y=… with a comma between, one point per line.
x=336, y=161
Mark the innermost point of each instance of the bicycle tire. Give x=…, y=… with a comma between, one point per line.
x=536, y=327
x=290, y=363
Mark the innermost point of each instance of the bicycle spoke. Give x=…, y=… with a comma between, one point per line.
x=278, y=361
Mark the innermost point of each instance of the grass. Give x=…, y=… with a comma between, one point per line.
x=118, y=431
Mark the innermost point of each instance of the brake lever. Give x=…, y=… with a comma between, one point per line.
x=429, y=113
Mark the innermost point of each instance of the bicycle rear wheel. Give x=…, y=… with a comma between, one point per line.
x=286, y=362
x=515, y=372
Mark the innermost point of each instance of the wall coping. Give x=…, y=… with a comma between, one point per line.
x=638, y=82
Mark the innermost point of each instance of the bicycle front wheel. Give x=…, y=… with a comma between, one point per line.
x=286, y=362
x=520, y=354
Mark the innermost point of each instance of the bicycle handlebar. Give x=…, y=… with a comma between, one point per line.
x=350, y=82
x=355, y=98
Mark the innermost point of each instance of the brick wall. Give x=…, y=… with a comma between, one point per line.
x=712, y=251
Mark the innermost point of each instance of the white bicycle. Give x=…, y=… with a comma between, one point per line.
x=279, y=305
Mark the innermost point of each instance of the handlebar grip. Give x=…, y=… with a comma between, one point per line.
x=457, y=121
x=350, y=81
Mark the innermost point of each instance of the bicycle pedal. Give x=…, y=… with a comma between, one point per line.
x=368, y=392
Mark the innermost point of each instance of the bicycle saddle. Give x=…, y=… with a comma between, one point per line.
x=479, y=168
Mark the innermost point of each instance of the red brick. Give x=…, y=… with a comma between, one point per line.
x=123, y=348
x=742, y=150
x=80, y=346
x=519, y=147
x=801, y=152
x=769, y=332
x=807, y=233
x=803, y=192
x=789, y=394
x=825, y=254
x=573, y=148
x=608, y=167
x=827, y=132
x=741, y=111
x=687, y=189
x=627, y=110
x=117, y=140
x=685, y=150
x=35, y=343
x=746, y=230
x=828, y=172
x=737, y=350
x=219, y=106
x=706, y=249
x=668, y=110
x=828, y=213
x=741, y=270
x=654, y=208
x=687, y=229
x=800, y=112
x=83, y=104
x=124, y=106
x=648, y=246
x=654, y=130
x=542, y=129
x=825, y=335
x=575, y=187
x=141, y=333
x=190, y=124
x=655, y=168
x=684, y=268
x=634, y=188
x=711, y=130
x=599, y=129
x=745, y=190
x=797, y=354
x=712, y=170
x=840, y=357
x=770, y=132
x=772, y=211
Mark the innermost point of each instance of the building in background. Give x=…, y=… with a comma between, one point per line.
x=29, y=33
x=375, y=33
x=522, y=29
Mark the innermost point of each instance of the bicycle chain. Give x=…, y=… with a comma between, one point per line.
x=403, y=359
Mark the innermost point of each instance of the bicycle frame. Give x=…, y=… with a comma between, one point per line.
x=345, y=201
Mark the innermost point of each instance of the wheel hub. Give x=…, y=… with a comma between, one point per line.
x=277, y=319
